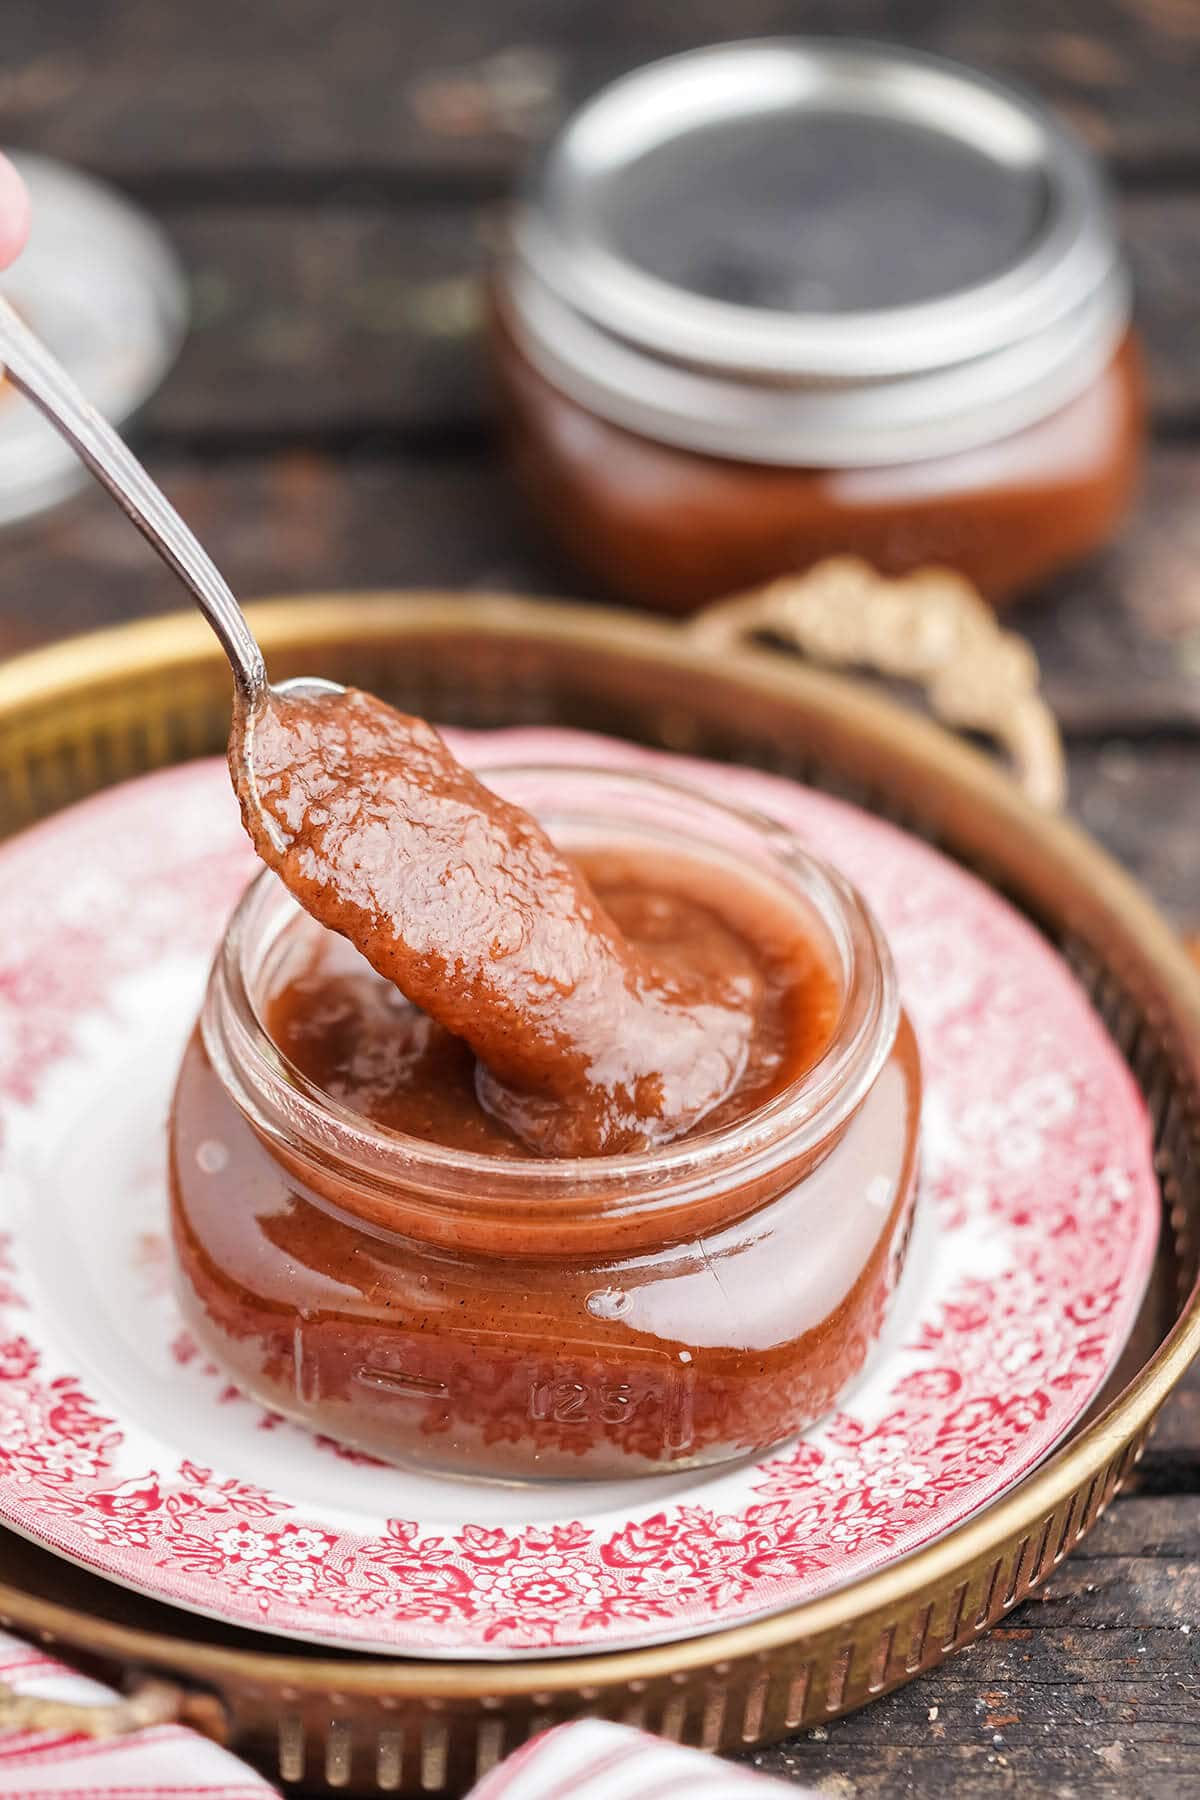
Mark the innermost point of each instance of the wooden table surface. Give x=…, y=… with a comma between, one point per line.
x=331, y=174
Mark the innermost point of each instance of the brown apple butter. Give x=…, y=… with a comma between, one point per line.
x=355, y=1036
x=773, y=301
x=587, y=1041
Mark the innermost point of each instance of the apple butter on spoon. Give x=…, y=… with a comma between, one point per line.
x=586, y=1044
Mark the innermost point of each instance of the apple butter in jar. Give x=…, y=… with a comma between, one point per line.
x=773, y=301
x=375, y=1241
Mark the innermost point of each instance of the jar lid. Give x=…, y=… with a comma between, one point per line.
x=814, y=251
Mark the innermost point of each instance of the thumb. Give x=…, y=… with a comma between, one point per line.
x=14, y=213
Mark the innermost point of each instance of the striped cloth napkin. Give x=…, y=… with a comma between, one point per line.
x=589, y=1760
x=596, y=1760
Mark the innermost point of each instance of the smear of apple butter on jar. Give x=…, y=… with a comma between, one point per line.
x=586, y=1043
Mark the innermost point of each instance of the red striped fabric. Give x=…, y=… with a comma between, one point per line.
x=589, y=1760
x=596, y=1760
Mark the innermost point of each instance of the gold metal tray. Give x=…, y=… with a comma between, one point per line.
x=106, y=707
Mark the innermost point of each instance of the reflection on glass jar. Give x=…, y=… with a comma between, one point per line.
x=519, y=1317
x=773, y=301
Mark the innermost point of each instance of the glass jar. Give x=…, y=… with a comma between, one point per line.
x=542, y=1318
x=773, y=301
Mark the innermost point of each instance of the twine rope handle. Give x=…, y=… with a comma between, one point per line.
x=932, y=628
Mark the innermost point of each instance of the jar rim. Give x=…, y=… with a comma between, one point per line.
x=963, y=367
x=286, y=1107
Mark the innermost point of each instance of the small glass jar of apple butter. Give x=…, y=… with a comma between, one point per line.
x=371, y=1252
x=773, y=301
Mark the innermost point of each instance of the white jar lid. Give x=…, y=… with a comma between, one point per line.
x=816, y=252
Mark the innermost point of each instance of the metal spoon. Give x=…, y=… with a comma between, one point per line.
x=38, y=375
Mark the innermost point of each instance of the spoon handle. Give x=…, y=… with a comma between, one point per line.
x=42, y=379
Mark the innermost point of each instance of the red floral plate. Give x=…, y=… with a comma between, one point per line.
x=123, y=1449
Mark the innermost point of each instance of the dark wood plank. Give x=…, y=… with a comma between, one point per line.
x=1119, y=639
x=1093, y=1687
x=1172, y=1461
x=1142, y=801
x=290, y=523
x=143, y=90
x=1162, y=236
x=326, y=320
x=356, y=316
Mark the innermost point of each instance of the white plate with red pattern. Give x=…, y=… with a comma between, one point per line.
x=123, y=1449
